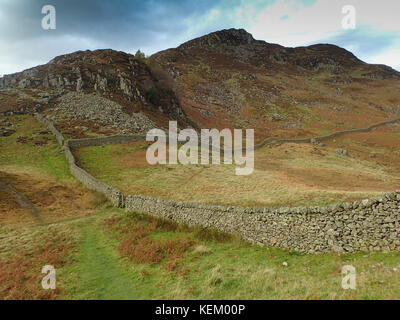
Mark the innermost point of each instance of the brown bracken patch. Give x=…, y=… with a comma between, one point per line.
x=52, y=201
x=137, y=244
x=20, y=276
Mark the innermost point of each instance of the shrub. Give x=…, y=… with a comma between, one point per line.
x=141, y=57
x=153, y=96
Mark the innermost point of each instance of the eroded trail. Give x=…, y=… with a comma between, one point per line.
x=22, y=200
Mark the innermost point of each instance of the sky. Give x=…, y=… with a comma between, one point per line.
x=154, y=25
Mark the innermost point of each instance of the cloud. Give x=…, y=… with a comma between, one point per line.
x=370, y=45
x=122, y=25
x=295, y=23
x=365, y=40
x=154, y=25
x=389, y=57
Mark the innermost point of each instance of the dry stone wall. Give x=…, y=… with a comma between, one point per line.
x=111, y=193
x=367, y=225
x=130, y=138
x=49, y=125
x=327, y=137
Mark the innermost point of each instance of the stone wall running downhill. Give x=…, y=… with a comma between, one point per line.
x=113, y=194
x=367, y=225
x=50, y=126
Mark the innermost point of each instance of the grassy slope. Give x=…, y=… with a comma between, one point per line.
x=284, y=175
x=213, y=267
x=46, y=159
x=99, y=272
x=225, y=269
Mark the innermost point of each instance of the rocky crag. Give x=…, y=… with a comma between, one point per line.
x=229, y=79
x=114, y=80
x=226, y=79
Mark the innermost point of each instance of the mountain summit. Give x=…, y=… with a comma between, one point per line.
x=241, y=45
x=231, y=37
x=226, y=79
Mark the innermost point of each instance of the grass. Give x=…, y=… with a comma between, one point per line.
x=288, y=174
x=114, y=255
x=213, y=266
x=46, y=158
x=99, y=270
x=20, y=270
x=225, y=268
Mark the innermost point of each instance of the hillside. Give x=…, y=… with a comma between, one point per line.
x=301, y=197
x=229, y=79
x=120, y=82
x=224, y=79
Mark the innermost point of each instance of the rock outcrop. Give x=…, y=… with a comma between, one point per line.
x=228, y=79
x=115, y=75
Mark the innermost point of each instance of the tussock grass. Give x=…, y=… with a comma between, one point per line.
x=93, y=200
x=287, y=174
x=21, y=264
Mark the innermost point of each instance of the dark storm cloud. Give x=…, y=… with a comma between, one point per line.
x=91, y=24
x=153, y=25
x=118, y=22
x=125, y=25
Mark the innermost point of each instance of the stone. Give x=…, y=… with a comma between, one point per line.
x=342, y=152
x=370, y=224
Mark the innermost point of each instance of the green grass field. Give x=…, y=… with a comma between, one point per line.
x=110, y=254
x=46, y=158
x=284, y=175
x=215, y=267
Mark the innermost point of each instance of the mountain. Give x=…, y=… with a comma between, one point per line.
x=115, y=76
x=229, y=79
x=223, y=79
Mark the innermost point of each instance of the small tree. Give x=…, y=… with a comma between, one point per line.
x=140, y=56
